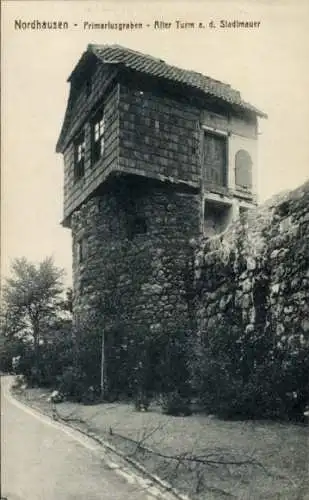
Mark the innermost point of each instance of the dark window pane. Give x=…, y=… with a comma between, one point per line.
x=97, y=136
x=79, y=157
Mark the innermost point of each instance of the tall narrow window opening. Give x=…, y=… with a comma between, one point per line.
x=243, y=169
x=215, y=159
x=81, y=252
x=97, y=136
x=79, y=157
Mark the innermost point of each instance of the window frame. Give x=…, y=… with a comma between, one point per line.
x=97, y=133
x=223, y=136
x=81, y=249
x=79, y=156
x=218, y=211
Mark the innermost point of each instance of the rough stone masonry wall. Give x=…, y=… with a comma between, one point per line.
x=254, y=277
x=143, y=272
x=258, y=271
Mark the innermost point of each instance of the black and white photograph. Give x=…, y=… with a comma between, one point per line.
x=154, y=334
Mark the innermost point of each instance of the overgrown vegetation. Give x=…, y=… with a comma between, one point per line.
x=227, y=371
x=242, y=368
x=36, y=329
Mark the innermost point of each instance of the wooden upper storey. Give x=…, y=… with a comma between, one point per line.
x=131, y=113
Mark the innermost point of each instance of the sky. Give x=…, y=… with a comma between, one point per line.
x=268, y=65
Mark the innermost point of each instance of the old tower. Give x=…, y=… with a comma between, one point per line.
x=154, y=156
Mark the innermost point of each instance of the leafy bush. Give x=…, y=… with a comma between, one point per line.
x=272, y=386
x=19, y=382
x=10, y=348
x=173, y=403
x=73, y=384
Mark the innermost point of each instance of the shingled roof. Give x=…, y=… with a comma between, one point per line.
x=123, y=57
x=158, y=68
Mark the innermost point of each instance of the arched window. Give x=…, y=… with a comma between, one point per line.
x=243, y=169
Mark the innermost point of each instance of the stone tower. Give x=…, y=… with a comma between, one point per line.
x=154, y=156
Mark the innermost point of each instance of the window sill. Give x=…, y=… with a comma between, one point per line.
x=244, y=189
x=243, y=193
x=216, y=188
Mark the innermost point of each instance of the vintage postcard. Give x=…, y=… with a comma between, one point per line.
x=154, y=249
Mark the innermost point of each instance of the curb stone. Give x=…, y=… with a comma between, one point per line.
x=152, y=480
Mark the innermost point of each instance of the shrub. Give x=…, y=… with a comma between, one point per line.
x=19, y=382
x=173, y=403
x=73, y=384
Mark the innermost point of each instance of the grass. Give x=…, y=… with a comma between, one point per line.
x=243, y=460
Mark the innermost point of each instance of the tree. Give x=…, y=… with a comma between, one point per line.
x=32, y=299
